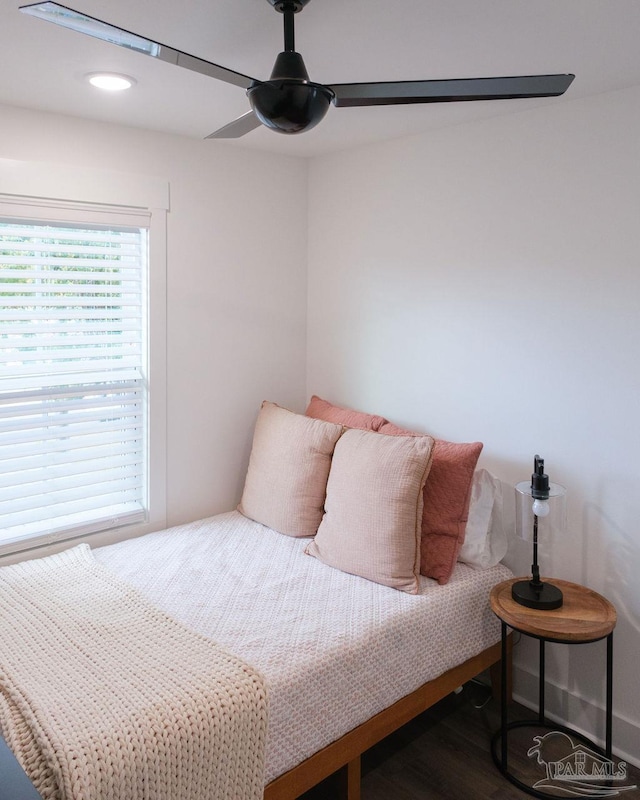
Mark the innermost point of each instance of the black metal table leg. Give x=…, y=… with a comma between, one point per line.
x=541, y=697
x=503, y=697
x=609, y=717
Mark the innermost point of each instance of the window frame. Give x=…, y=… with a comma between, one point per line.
x=128, y=197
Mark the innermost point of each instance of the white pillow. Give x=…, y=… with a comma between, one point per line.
x=485, y=541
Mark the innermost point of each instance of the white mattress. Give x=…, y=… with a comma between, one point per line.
x=335, y=649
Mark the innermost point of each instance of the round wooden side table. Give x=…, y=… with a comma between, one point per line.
x=585, y=616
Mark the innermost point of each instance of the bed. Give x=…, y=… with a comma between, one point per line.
x=336, y=650
x=317, y=583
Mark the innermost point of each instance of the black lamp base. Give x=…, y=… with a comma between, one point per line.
x=534, y=594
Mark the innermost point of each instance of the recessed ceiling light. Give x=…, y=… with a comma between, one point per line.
x=110, y=81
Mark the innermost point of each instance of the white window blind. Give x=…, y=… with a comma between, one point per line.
x=73, y=365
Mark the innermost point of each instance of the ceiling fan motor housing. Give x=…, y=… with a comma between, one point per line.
x=296, y=5
x=289, y=102
x=289, y=106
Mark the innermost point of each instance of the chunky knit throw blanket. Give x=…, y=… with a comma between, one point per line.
x=104, y=697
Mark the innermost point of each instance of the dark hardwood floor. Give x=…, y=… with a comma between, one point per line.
x=444, y=754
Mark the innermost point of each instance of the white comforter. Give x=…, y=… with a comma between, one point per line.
x=335, y=649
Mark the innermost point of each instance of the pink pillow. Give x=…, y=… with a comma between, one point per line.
x=447, y=494
x=286, y=481
x=373, y=510
x=322, y=409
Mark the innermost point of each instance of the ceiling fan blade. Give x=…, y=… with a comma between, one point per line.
x=447, y=91
x=82, y=23
x=234, y=130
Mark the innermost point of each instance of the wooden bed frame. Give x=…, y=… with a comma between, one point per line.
x=344, y=754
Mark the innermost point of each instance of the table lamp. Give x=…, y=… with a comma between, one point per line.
x=539, y=504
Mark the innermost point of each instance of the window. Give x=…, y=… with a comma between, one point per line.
x=75, y=366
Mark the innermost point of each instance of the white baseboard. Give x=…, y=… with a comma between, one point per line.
x=579, y=713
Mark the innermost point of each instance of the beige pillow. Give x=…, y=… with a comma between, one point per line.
x=286, y=481
x=373, y=511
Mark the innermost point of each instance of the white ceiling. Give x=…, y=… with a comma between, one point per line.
x=42, y=66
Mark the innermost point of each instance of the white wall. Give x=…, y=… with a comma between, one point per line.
x=236, y=287
x=483, y=282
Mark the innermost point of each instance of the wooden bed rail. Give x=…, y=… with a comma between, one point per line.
x=344, y=754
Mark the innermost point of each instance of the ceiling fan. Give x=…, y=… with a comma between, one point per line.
x=289, y=102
